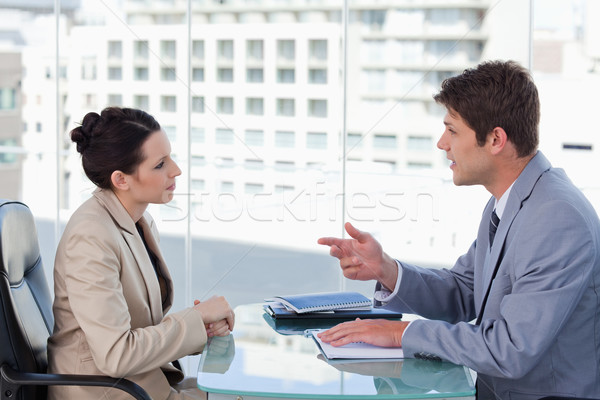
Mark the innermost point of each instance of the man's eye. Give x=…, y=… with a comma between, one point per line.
x=160, y=165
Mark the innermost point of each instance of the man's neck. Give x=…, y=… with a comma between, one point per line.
x=508, y=175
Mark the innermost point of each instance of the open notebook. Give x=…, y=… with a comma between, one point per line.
x=358, y=350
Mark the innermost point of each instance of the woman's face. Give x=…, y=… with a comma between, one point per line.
x=154, y=179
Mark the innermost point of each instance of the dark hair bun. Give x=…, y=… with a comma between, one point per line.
x=83, y=134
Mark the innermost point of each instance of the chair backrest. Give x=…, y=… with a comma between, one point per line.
x=26, y=318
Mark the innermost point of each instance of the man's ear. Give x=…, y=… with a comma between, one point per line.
x=119, y=180
x=498, y=139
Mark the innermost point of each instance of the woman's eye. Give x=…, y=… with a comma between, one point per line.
x=160, y=165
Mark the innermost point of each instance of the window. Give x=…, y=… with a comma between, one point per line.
x=198, y=74
x=286, y=50
x=168, y=103
x=224, y=49
x=254, y=75
x=224, y=136
x=198, y=184
x=254, y=50
x=284, y=166
x=227, y=187
x=373, y=80
x=197, y=135
x=419, y=143
x=167, y=74
x=225, y=105
x=284, y=188
x=285, y=139
x=317, y=75
x=317, y=49
x=225, y=162
x=115, y=49
x=286, y=107
x=8, y=98
x=198, y=49
x=254, y=106
x=286, y=75
x=254, y=137
x=354, y=140
x=317, y=108
x=168, y=50
x=88, y=68
x=115, y=100
x=384, y=141
x=141, y=73
x=254, y=164
x=7, y=156
x=197, y=104
x=198, y=161
x=316, y=140
x=225, y=74
x=115, y=73
x=141, y=101
x=253, y=188
x=140, y=50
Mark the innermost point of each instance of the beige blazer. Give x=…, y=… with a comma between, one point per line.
x=109, y=314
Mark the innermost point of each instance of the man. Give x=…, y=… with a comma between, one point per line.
x=532, y=281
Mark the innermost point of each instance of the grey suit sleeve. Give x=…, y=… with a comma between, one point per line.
x=448, y=293
x=540, y=283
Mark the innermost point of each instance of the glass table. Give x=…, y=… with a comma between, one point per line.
x=265, y=358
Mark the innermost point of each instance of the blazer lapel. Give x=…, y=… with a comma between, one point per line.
x=134, y=241
x=519, y=193
x=166, y=286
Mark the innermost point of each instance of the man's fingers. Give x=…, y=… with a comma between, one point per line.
x=355, y=233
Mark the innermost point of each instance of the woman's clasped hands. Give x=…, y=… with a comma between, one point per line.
x=218, y=316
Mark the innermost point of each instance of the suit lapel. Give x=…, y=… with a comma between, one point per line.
x=134, y=241
x=166, y=284
x=519, y=193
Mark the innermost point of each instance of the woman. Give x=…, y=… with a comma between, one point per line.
x=112, y=287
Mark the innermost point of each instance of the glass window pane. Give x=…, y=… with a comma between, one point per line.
x=225, y=105
x=254, y=106
x=254, y=137
x=316, y=140
x=285, y=139
x=286, y=107
x=224, y=136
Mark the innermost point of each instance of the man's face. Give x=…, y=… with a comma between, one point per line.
x=470, y=162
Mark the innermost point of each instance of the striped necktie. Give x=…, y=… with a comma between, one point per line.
x=494, y=221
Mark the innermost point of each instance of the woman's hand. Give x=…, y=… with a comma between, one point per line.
x=217, y=315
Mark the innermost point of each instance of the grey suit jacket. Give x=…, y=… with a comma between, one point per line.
x=540, y=332
x=109, y=308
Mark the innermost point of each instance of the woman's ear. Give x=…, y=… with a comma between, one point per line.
x=119, y=180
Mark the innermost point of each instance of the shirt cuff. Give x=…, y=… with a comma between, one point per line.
x=383, y=295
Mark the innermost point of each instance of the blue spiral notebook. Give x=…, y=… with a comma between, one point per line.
x=327, y=301
x=280, y=313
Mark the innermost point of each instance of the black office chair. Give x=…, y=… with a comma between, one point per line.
x=26, y=319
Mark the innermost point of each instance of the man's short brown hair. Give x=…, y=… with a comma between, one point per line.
x=496, y=94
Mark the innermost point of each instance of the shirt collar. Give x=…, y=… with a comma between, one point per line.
x=501, y=204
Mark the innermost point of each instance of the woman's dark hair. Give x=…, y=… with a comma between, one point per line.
x=111, y=141
x=496, y=94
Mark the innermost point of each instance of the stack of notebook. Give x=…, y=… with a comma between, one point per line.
x=325, y=305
